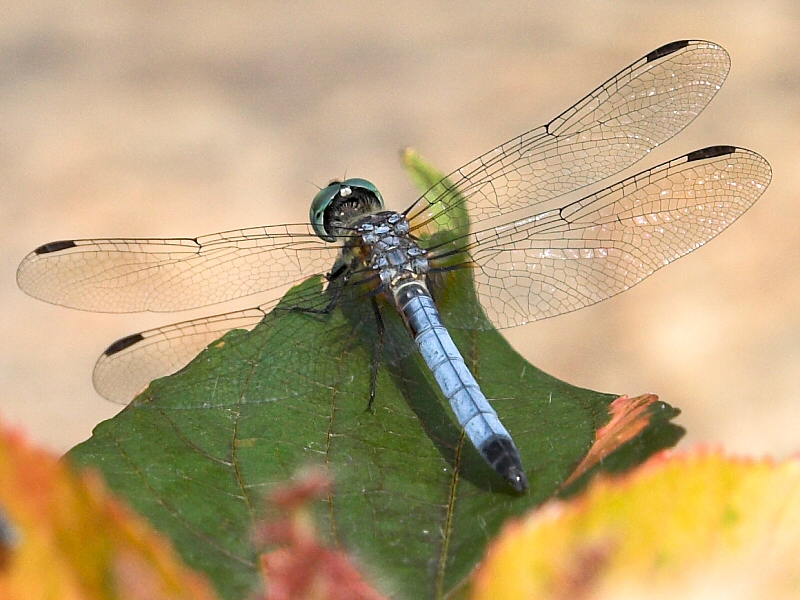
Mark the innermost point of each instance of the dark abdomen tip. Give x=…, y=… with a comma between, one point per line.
x=503, y=456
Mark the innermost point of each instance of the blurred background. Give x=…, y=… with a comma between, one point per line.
x=179, y=118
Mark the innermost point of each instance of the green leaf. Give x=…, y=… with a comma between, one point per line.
x=449, y=214
x=414, y=502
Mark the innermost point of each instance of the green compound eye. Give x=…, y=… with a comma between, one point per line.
x=338, y=190
x=321, y=202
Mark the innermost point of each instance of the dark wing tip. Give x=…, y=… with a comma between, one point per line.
x=123, y=343
x=55, y=246
x=710, y=152
x=666, y=49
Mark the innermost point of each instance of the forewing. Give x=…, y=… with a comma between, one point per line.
x=589, y=250
x=607, y=131
x=162, y=275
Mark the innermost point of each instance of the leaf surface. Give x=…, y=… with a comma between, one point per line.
x=686, y=526
x=414, y=502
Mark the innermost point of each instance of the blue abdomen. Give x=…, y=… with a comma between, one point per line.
x=473, y=411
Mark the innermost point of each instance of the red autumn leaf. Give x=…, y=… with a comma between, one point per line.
x=303, y=568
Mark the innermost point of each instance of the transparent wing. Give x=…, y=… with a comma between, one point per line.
x=589, y=250
x=609, y=130
x=131, y=363
x=162, y=275
x=128, y=365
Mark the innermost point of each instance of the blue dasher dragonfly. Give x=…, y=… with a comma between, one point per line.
x=508, y=227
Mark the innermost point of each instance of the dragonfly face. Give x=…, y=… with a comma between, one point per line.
x=507, y=222
x=336, y=207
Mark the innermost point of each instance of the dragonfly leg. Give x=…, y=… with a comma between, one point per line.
x=326, y=310
x=376, y=355
x=338, y=270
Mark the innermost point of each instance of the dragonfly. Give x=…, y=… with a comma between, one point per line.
x=514, y=227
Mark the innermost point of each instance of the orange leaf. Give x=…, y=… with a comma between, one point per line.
x=63, y=535
x=629, y=417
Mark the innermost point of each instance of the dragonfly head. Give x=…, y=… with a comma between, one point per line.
x=336, y=207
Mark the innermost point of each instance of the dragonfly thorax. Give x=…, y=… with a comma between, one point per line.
x=336, y=208
x=389, y=249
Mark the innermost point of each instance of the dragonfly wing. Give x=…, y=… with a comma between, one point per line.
x=131, y=363
x=589, y=250
x=162, y=275
x=607, y=131
x=128, y=365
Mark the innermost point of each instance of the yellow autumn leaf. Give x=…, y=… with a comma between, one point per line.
x=694, y=525
x=63, y=535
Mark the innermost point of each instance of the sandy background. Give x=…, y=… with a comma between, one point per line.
x=182, y=118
